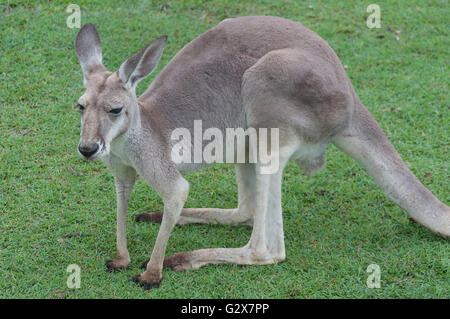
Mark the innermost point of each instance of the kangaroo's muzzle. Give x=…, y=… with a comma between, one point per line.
x=88, y=149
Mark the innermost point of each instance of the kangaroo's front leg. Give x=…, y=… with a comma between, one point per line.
x=174, y=196
x=125, y=178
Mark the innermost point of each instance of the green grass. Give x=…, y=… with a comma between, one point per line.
x=336, y=223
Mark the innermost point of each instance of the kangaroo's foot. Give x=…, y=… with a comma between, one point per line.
x=242, y=256
x=154, y=217
x=203, y=216
x=147, y=280
x=117, y=264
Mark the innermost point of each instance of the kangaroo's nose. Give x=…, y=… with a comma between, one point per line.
x=88, y=149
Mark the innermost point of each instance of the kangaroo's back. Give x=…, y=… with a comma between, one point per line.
x=203, y=81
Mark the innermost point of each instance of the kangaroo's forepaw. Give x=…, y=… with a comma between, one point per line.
x=116, y=264
x=179, y=261
x=155, y=217
x=147, y=281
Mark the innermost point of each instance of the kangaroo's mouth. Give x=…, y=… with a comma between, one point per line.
x=100, y=152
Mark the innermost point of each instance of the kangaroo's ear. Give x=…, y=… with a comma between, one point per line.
x=88, y=48
x=142, y=63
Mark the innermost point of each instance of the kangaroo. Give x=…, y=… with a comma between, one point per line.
x=259, y=72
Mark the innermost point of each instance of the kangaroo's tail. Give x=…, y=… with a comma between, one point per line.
x=365, y=141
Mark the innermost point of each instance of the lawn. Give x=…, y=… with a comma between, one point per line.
x=57, y=210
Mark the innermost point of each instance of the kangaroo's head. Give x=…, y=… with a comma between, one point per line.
x=109, y=101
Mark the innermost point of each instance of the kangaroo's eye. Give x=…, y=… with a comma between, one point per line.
x=116, y=111
x=81, y=107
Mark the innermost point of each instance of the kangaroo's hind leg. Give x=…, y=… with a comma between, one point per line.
x=266, y=245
